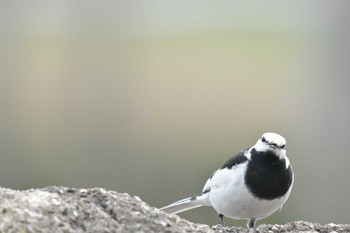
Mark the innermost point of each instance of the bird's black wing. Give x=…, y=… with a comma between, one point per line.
x=235, y=160
x=219, y=177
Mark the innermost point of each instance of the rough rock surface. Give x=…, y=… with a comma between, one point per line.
x=297, y=226
x=60, y=209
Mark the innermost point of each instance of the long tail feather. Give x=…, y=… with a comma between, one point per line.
x=186, y=204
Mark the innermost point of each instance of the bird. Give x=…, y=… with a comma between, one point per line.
x=252, y=184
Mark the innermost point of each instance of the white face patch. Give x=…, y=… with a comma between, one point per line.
x=272, y=142
x=273, y=139
x=287, y=161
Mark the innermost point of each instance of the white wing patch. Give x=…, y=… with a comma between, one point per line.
x=224, y=177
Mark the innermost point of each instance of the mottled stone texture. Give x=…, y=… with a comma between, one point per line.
x=61, y=209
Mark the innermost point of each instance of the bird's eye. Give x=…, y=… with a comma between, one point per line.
x=263, y=139
x=284, y=146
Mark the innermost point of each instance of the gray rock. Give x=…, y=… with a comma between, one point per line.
x=60, y=209
x=297, y=226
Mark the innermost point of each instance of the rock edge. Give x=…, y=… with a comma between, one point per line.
x=62, y=209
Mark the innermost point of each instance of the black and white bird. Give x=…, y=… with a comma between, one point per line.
x=252, y=184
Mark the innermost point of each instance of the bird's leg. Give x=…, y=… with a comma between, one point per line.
x=222, y=220
x=251, y=223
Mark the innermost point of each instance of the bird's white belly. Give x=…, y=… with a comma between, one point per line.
x=235, y=201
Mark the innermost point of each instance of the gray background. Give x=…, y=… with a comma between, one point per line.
x=151, y=97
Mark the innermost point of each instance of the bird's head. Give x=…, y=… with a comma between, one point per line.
x=272, y=142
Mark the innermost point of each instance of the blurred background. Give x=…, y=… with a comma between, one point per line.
x=150, y=98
